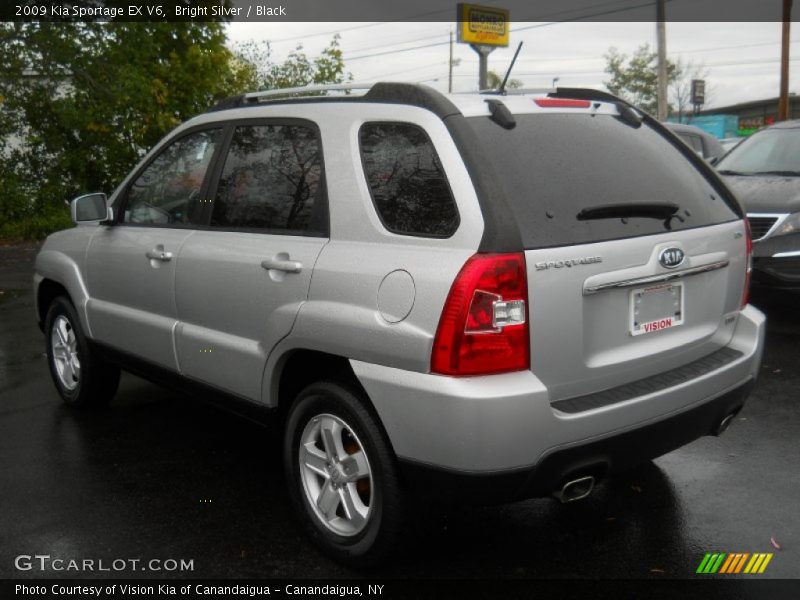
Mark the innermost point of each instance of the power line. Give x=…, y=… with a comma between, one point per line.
x=598, y=72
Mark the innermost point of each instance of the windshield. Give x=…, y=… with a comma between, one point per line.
x=769, y=151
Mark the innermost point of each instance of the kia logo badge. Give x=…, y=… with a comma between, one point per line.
x=671, y=257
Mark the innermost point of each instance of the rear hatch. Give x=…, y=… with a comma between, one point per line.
x=606, y=211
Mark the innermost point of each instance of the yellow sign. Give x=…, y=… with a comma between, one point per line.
x=482, y=25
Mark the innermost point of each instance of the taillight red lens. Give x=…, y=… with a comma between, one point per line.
x=484, y=325
x=562, y=103
x=749, y=263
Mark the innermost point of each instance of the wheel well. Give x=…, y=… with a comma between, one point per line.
x=303, y=367
x=48, y=291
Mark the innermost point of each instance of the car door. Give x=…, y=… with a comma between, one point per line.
x=241, y=281
x=131, y=265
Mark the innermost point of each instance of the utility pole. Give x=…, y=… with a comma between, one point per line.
x=450, y=65
x=783, y=102
x=661, y=38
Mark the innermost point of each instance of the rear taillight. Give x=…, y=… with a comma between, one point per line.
x=749, y=263
x=483, y=328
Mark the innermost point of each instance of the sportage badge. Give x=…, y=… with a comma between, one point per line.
x=671, y=257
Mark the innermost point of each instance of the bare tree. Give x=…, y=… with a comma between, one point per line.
x=680, y=89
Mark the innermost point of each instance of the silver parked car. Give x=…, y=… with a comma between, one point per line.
x=471, y=297
x=699, y=140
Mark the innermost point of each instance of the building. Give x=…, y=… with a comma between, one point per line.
x=754, y=115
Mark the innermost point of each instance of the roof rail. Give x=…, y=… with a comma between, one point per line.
x=410, y=94
x=251, y=98
x=308, y=89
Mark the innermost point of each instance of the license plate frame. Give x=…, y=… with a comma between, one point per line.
x=656, y=308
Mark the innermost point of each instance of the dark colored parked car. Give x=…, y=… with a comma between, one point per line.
x=764, y=171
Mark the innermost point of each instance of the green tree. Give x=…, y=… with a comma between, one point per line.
x=635, y=78
x=297, y=69
x=85, y=101
x=493, y=79
x=88, y=99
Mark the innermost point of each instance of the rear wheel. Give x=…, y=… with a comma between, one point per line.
x=81, y=377
x=342, y=475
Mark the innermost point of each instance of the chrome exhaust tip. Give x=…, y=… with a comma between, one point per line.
x=724, y=424
x=577, y=489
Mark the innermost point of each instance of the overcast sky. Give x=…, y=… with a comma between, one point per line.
x=741, y=59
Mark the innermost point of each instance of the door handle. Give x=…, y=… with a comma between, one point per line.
x=285, y=265
x=161, y=255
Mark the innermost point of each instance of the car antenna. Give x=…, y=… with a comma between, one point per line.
x=502, y=88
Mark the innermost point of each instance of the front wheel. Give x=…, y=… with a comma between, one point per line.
x=82, y=378
x=342, y=475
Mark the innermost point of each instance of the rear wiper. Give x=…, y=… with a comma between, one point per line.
x=650, y=210
x=784, y=173
x=739, y=173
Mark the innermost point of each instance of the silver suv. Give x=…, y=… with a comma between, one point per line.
x=476, y=298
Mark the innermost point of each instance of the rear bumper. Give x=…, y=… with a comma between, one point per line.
x=506, y=423
x=599, y=458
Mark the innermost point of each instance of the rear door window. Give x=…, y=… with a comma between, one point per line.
x=406, y=180
x=553, y=166
x=272, y=180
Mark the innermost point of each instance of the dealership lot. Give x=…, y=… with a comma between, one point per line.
x=158, y=477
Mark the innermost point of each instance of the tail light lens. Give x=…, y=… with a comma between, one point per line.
x=749, y=268
x=484, y=325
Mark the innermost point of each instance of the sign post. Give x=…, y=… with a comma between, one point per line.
x=484, y=28
x=698, y=94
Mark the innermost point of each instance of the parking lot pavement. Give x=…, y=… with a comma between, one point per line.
x=158, y=476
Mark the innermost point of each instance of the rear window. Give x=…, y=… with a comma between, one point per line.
x=552, y=166
x=406, y=180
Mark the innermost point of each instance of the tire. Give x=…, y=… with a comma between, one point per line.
x=83, y=379
x=358, y=513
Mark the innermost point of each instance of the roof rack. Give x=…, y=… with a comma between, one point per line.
x=306, y=91
x=316, y=90
x=410, y=94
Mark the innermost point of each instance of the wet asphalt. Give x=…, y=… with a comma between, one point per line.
x=157, y=475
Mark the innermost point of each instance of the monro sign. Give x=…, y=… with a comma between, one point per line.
x=483, y=25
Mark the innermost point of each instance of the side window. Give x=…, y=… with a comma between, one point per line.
x=406, y=180
x=694, y=142
x=272, y=179
x=168, y=190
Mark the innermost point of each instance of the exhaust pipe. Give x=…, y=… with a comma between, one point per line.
x=724, y=424
x=577, y=489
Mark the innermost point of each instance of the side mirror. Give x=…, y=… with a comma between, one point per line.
x=91, y=208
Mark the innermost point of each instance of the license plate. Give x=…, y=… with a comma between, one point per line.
x=656, y=308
